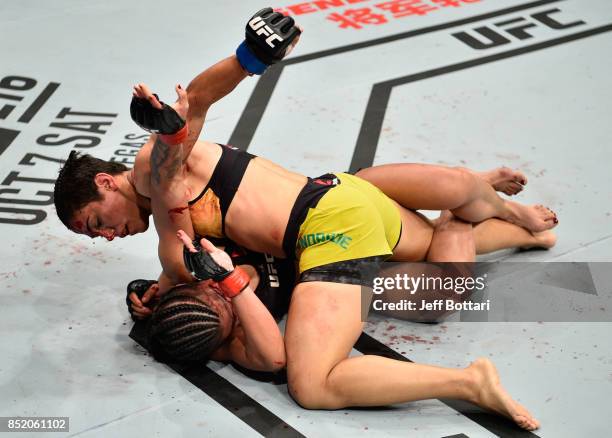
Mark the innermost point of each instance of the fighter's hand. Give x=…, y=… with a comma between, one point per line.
x=140, y=294
x=294, y=42
x=156, y=117
x=137, y=309
x=269, y=37
x=218, y=256
x=181, y=106
x=205, y=261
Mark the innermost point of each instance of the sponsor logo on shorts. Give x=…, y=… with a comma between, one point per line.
x=340, y=239
x=326, y=182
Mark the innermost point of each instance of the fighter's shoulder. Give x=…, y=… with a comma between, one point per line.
x=203, y=153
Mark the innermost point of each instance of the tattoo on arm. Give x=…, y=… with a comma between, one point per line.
x=165, y=161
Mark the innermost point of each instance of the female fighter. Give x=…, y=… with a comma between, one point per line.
x=329, y=224
x=324, y=315
x=195, y=322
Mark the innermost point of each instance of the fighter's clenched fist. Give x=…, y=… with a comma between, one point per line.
x=269, y=37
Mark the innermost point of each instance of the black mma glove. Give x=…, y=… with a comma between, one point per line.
x=139, y=287
x=166, y=122
x=203, y=267
x=268, y=35
x=201, y=264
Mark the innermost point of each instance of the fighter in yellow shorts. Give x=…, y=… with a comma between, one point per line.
x=339, y=218
x=329, y=224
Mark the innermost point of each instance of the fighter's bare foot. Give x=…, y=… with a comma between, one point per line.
x=545, y=239
x=504, y=179
x=491, y=395
x=535, y=218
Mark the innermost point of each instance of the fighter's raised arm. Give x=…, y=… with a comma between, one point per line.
x=269, y=37
x=169, y=191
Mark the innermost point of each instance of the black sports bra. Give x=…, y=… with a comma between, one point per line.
x=209, y=209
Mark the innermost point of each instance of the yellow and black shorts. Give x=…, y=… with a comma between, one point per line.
x=339, y=225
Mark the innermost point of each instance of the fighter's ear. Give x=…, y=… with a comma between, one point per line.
x=105, y=181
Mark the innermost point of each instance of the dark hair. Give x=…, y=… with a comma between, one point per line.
x=75, y=186
x=183, y=329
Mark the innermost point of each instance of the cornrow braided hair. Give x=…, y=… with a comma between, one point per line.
x=183, y=329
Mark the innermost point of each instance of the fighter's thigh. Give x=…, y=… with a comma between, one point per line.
x=420, y=186
x=417, y=232
x=323, y=323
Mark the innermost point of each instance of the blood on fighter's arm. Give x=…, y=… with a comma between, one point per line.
x=169, y=203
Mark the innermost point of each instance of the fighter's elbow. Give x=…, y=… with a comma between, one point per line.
x=276, y=363
x=271, y=361
x=200, y=100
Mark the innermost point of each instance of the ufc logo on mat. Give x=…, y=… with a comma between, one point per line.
x=261, y=28
x=515, y=28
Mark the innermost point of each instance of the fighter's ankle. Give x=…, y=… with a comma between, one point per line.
x=509, y=212
x=472, y=380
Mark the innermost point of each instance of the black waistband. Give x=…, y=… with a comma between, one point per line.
x=226, y=177
x=354, y=271
x=309, y=197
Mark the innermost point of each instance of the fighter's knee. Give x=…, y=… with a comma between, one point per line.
x=464, y=180
x=464, y=173
x=311, y=393
x=306, y=392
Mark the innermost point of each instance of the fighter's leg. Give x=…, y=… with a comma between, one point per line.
x=490, y=235
x=469, y=197
x=496, y=234
x=322, y=326
x=452, y=240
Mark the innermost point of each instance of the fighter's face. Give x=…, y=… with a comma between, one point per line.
x=113, y=216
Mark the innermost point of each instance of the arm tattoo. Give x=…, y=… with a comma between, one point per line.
x=165, y=161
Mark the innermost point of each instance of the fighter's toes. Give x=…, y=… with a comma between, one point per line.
x=547, y=214
x=545, y=218
x=492, y=396
x=512, y=188
x=506, y=180
x=523, y=418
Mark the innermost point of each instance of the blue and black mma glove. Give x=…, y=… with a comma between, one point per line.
x=165, y=122
x=139, y=287
x=203, y=267
x=267, y=37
